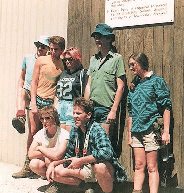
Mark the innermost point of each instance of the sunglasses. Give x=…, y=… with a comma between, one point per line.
x=97, y=36
x=131, y=64
x=45, y=118
x=42, y=46
x=67, y=59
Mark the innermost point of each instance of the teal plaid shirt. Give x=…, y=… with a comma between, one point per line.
x=99, y=146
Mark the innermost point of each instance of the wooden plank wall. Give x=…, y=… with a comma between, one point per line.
x=164, y=45
x=21, y=23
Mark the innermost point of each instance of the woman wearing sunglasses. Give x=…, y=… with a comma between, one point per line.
x=71, y=84
x=148, y=101
x=49, y=143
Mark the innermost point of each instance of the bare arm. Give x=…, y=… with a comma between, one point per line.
x=129, y=131
x=166, y=120
x=21, y=80
x=20, y=87
x=75, y=164
x=120, y=89
x=79, y=162
x=34, y=85
x=55, y=100
x=33, y=153
x=87, y=89
x=54, y=153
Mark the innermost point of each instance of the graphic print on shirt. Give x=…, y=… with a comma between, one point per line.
x=64, y=88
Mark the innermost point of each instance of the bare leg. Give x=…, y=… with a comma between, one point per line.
x=140, y=163
x=34, y=124
x=153, y=171
x=38, y=166
x=23, y=100
x=104, y=174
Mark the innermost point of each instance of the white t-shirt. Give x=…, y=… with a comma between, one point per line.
x=43, y=140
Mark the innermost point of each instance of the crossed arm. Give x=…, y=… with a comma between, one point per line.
x=36, y=151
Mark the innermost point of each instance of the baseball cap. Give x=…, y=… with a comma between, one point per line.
x=43, y=40
x=103, y=29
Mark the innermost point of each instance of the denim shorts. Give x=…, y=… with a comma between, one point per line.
x=100, y=113
x=40, y=102
x=65, y=110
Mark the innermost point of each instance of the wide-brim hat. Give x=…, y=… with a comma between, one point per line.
x=43, y=40
x=103, y=29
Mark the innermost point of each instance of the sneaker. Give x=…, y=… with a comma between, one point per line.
x=19, y=123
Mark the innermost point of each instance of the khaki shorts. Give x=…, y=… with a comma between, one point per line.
x=89, y=174
x=146, y=140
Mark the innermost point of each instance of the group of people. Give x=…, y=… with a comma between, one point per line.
x=72, y=111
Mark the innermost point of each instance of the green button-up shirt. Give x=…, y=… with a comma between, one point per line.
x=104, y=74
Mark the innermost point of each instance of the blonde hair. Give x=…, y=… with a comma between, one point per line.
x=51, y=110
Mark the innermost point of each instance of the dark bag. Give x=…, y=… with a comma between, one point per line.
x=158, y=126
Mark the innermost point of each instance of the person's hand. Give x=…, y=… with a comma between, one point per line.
x=50, y=172
x=75, y=164
x=165, y=138
x=132, y=86
x=111, y=117
x=38, y=148
x=34, y=109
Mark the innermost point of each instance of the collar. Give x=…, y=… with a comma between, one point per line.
x=147, y=77
x=109, y=55
x=149, y=74
x=79, y=68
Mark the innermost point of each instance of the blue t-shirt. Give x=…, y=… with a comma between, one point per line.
x=28, y=65
x=147, y=102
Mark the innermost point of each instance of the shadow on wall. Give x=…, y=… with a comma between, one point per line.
x=166, y=161
x=117, y=132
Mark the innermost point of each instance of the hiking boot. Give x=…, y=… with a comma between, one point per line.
x=25, y=171
x=19, y=123
x=53, y=188
x=56, y=187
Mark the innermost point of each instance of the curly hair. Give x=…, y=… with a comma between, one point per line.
x=58, y=40
x=86, y=104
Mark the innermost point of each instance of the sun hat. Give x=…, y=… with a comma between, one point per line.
x=43, y=40
x=103, y=29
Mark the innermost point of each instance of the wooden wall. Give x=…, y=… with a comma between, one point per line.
x=21, y=23
x=164, y=45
